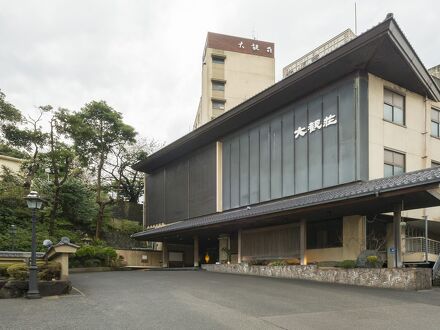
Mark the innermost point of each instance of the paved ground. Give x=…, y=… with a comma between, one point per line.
x=201, y=300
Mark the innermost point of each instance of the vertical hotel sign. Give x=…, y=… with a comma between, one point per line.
x=317, y=53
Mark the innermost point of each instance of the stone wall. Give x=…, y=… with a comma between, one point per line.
x=393, y=278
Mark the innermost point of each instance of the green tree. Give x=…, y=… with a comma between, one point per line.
x=97, y=130
x=57, y=161
x=10, y=117
x=129, y=183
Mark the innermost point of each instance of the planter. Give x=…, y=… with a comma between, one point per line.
x=391, y=278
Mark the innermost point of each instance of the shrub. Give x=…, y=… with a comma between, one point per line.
x=46, y=271
x=327, y=264
x=347, y=264
x=19, y=272
x=92, y=263
x=278, y=263
x=369, y=259
x=49, y=271
x=104, y=254
x=4, y=270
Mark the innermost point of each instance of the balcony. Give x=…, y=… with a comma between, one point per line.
x=415, y=249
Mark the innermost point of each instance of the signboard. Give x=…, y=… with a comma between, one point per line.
x=315, y=126
x=317, y=53
x=240, y=45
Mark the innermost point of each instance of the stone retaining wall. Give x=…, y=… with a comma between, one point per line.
x=391, y=278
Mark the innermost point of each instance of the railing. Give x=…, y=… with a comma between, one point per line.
x=418, y=244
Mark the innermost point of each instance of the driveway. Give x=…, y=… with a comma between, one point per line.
x=202, y=300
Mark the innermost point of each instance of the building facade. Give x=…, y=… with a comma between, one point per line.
x=233, y=70
x=12, y=163
x=334, y=159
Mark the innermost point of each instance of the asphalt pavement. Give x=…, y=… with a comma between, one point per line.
x=202, y=300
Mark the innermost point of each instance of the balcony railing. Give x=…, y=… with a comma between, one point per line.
x=418, y=244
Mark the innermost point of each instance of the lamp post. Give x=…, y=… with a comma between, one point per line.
x=34, y=202
x=13, y=233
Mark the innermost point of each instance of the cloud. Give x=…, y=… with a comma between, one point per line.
x=144, y=57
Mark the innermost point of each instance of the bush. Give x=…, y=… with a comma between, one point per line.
x=278, y=263
x=369, y=259
x=328, y=264
x=46, y=271
x=347, y=264
x=93, y=256
x=18, y=272
x=4, y=270
x=92, y=263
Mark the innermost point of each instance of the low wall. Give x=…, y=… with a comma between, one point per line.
x=391, y=278
x=141, y=258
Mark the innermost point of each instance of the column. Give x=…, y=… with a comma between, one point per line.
x=145, y=206
x=165, y=254
x=239, y=247
x=397, y=217
x=353, y=236
x=223, y=243
x=196, y=251
x=302, y=242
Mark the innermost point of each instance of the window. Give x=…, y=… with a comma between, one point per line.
x=218, y=59
x=324, y=234
x=394, y=107
x=217, y=104
x=218, y=85
x=394, y=163
x=435, y=123
x=435, y=164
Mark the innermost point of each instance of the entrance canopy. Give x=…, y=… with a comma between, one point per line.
x=419, y=189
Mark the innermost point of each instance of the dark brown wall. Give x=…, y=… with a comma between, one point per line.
x=230, y=43
x=183, y=189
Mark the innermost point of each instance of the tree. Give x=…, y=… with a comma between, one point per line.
x=128, y=182
x=97, y=130
x=24, y=134
x=8, y=113
x=58, y=160
x=10, y=117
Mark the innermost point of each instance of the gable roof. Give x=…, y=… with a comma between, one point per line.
x=383, y=50
x=357, y=190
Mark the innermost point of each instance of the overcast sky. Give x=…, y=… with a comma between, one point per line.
x=144, y=57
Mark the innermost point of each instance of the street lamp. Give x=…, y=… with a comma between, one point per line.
x=34, y=202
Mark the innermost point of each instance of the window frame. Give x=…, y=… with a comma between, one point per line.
x=393, y=107
x=333, y=228
x=215, y=101
x=393, y=164
x=218, y=59
x=218, y=83
x=435, y=122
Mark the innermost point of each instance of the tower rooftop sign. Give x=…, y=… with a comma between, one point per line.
x=240, y=45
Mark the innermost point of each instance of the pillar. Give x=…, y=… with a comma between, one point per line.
x=165, y=255
x=397, y=217
x=196, y=251
x=223, y=243
x=353, y=236
x=63, y=259
x=239, y=247
x=302, y=242
x=145, y=206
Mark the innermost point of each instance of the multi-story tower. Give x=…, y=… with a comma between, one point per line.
x=234, y=69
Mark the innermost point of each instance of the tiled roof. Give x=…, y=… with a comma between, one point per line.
x=338, y=193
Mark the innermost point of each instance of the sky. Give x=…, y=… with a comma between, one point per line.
x=144, y=58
